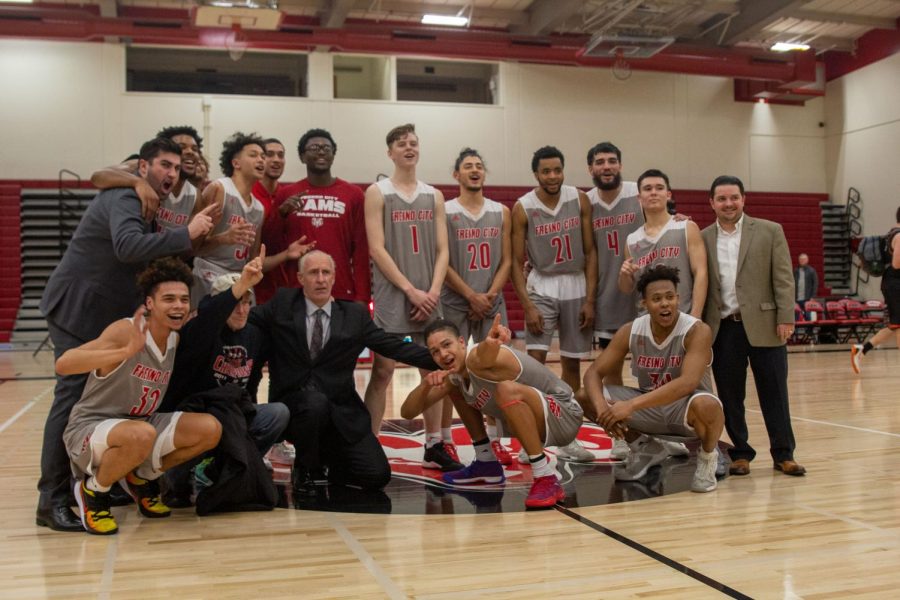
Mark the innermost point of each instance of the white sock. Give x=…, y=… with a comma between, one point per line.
x=432, y=438
x=147, y=473
x=492, y=432
x=540, y=466
x=447, y=435
x=704, y=455
x=94, y=485
x=483, y=452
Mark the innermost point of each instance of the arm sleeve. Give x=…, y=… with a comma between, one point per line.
x=130, y=240
x=361, y=273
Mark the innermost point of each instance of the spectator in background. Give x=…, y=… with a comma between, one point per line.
x=806, y=280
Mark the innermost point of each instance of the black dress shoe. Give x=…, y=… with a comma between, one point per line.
x=58, y=518
x=302, y=481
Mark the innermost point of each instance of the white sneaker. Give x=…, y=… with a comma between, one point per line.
x=283, y=452
x=576, y=452
x=675, y=448
x=620, y=449
x=641, y=459
x=705, y=475
x=856, y=354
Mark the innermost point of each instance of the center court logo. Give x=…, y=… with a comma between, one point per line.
x=404, y=453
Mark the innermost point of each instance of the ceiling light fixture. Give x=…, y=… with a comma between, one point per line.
x=788, y=47
x=444, y=20
x=17, y=1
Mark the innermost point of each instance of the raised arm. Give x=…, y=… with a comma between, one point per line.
x=124, y=176
x=699, y=272
x=119, y=341
x=626, y=273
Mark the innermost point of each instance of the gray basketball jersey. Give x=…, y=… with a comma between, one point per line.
x=481, y=394
x=553, y=239
x=670, y=248
x=612, y=224
x=175, y=211
x=476, y=248
x=233, y=257
x=133, y=390
x=654, y=365
x=409, y=238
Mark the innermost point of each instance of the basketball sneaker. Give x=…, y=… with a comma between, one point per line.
x=675, y=448
x=856, y=354
x=501, y=453
x=576, y=452
x=146, y=494
x=437, y=457
x=643, y=457
x=705, y=475
x=620, y=449
x=94, y=510
x=450, y=449
x=477, y=472
x=544, y=493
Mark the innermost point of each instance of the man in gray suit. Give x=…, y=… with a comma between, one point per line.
x=93, y=285
x=750, y=309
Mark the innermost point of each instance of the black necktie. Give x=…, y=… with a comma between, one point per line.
x=315, y=346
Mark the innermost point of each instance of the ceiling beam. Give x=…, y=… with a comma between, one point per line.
x=546, y=15
x=755, y=15
x=336, y=13
x=833, y=17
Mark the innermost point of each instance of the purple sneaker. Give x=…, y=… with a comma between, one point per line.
x=477, y=472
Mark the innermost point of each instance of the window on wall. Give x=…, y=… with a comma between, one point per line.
x=177, y=70
x=362, y=77
x=446, y=81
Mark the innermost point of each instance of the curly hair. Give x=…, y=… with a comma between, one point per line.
x=657, y=273
x=162, y=270
x=233, y=146
x=546, y=152
x=170, y=132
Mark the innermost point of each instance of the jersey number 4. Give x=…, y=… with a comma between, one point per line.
x=479, y=256
x=612, y=241
x=563, y=246
x=142, y=410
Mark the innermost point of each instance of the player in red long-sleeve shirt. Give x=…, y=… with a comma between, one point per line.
x=328, y=211
x=265, y=190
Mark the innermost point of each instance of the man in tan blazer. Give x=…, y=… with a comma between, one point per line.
x=750, y=309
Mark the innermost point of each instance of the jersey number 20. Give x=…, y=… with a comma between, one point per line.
x=479, y=256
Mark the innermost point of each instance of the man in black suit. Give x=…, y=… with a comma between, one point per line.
x=314, y=341
x=94, y=285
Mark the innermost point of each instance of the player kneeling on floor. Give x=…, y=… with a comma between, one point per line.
x=671, y=354
x=525, y=397
x=114, y=432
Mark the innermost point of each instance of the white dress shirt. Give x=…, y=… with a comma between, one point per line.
x=311, y=309
x=728, y=246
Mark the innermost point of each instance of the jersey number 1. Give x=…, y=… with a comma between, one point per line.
x=414, y=232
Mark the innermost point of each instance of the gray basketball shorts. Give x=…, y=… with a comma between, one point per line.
x=668, y=419
x=477, y=329
x=574, y=342
x=563, y=418
x=87, y=443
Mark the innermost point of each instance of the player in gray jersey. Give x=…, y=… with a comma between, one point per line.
x=521, y=393
x=552, y=224
x=114, y=432
x=665, y=240
x=237, y=234
x=478, y=235
x=407, y=234
x=616, y=212
x=671, y=354
x=175, y=210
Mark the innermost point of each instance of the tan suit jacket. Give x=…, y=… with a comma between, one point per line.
x=764, y=282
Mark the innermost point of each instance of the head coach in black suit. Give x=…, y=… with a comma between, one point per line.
x=314, y=342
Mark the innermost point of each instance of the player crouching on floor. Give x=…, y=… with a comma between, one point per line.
x=524, y=396
x=114, y=432
x=671, y=354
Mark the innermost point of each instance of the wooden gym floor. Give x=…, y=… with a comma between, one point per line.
x=832, y=534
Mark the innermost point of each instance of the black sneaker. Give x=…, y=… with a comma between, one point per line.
x=93, y=507
x=437, y=457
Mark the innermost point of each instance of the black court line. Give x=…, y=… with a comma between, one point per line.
x=716, y=585
x=28, y=378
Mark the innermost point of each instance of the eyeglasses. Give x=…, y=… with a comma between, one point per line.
x=316, y=148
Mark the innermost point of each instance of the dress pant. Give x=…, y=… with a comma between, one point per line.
x=56, y=471
x=731, y=353
x=319, y=444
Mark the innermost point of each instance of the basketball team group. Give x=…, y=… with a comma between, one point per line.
x=175, y=292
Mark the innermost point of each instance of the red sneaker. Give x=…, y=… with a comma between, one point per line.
x=545, y=492
x=501, y=453
x=451, y=451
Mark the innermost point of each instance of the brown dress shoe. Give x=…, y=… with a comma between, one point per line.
x=740, y=467
x=789, y=467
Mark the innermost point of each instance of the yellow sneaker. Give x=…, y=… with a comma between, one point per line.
x=93, y=508
x=146, y=495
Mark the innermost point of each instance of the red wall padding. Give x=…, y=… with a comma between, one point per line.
x=10, y=258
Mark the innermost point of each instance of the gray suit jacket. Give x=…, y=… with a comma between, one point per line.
x=94, y=283
x=764, y=282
